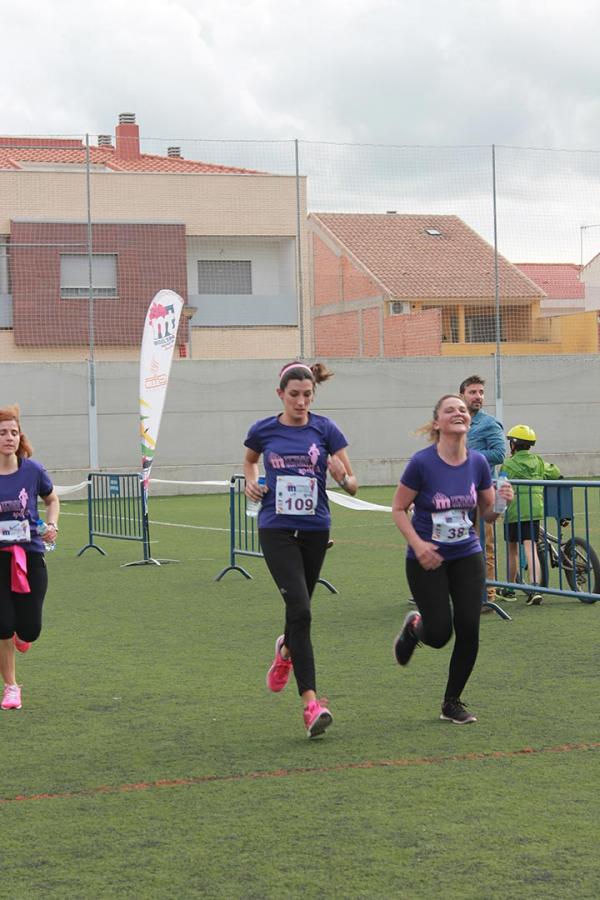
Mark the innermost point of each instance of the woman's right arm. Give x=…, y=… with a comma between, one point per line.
x=426, y=552
x=253, y=490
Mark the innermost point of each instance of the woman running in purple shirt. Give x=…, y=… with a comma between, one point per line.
x=298, y=448
x=444, y=563
x=23, y=575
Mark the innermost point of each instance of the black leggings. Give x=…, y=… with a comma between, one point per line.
x=294, y=559
x=23, y=612
x=462, y=581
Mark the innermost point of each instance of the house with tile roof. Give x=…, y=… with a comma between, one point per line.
x=573, y=291
x=88, y=235
x=388, y=285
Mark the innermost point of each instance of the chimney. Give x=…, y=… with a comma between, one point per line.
x=127, y=135
x=174, y=152
x=105, y=140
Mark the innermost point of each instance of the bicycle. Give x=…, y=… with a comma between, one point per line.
x=575, y=557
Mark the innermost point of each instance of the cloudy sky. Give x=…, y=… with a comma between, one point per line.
x=516, y=73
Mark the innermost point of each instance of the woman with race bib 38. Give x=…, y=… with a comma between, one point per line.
x=444, y=562
x=298, y=448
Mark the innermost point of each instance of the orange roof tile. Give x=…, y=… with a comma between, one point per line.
x=16, y=151
x=559, y=281
x=410, y=263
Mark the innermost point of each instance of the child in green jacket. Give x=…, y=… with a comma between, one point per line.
x=524, y=513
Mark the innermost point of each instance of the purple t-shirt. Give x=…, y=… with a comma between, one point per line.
x=441, y=487
x=296, y=451
x=19, y=494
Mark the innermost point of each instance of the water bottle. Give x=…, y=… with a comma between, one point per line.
x=42, y=529
x=253, y=506
x=499, y=501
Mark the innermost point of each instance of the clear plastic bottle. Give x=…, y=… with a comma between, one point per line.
x=499, y=501
x=42, y=529
x=253, y=506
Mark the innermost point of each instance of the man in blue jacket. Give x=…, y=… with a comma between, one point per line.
x=486, y=435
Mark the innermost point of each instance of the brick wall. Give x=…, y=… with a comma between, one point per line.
x=371, y=330
x=356, y=285
x=336, y=278
x=326, y=274
x=416, y=334
x=149, y=257
x=337, y=335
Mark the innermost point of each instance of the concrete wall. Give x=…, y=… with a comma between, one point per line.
x=378, y=404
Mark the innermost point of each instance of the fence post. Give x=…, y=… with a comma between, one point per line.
x=118, y=509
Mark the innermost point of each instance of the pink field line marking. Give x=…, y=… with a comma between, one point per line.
x=308, y=770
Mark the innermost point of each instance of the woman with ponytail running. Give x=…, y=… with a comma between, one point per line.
x=298, y=449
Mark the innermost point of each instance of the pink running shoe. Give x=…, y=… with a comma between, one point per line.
x=11, y=698
x=22, y=646
x=316, y=718
x=279, y=673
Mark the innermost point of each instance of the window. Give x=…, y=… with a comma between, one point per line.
x=433, y=232
x=75, y=278
x=4, y=267
x=480, y=327
x=224, y=276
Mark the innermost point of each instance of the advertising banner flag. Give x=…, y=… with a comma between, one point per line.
x=158, y=343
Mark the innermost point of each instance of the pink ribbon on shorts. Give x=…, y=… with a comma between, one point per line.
x=18, y=569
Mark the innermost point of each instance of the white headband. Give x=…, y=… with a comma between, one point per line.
x=296, y=366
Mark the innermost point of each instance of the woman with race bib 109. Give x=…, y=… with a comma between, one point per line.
x=445, y=569
x=298, y=449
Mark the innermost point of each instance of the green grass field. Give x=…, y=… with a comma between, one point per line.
x=150, y=761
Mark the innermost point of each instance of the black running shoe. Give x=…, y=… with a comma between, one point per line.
x=454, y=710
x=534, y=599
x=405, y=643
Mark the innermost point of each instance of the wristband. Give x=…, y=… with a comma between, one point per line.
x=52, y=525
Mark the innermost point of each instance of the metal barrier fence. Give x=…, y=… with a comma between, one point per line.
x=243, y=533
x=118, y=509
x=568, y=563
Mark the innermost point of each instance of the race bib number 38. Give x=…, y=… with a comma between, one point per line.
x=296, y=495
x=450, y=526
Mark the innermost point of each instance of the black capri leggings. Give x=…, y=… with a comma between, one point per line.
x=23, y=612
x=462, y=581
x=294, y=559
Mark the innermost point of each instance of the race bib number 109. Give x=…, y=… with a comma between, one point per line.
x=296, y=495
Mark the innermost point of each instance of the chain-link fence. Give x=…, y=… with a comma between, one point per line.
x=292, y=248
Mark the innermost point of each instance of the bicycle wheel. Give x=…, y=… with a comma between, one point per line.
x=587, y=565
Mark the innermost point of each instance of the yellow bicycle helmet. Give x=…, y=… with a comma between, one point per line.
x=522, y=433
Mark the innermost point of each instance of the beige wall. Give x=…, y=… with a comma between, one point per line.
x=246, y=343
x=241, y=205
x=207, y=204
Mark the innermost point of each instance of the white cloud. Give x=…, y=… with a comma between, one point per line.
x=355, y=71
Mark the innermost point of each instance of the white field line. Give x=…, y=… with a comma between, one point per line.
x=153, y=522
